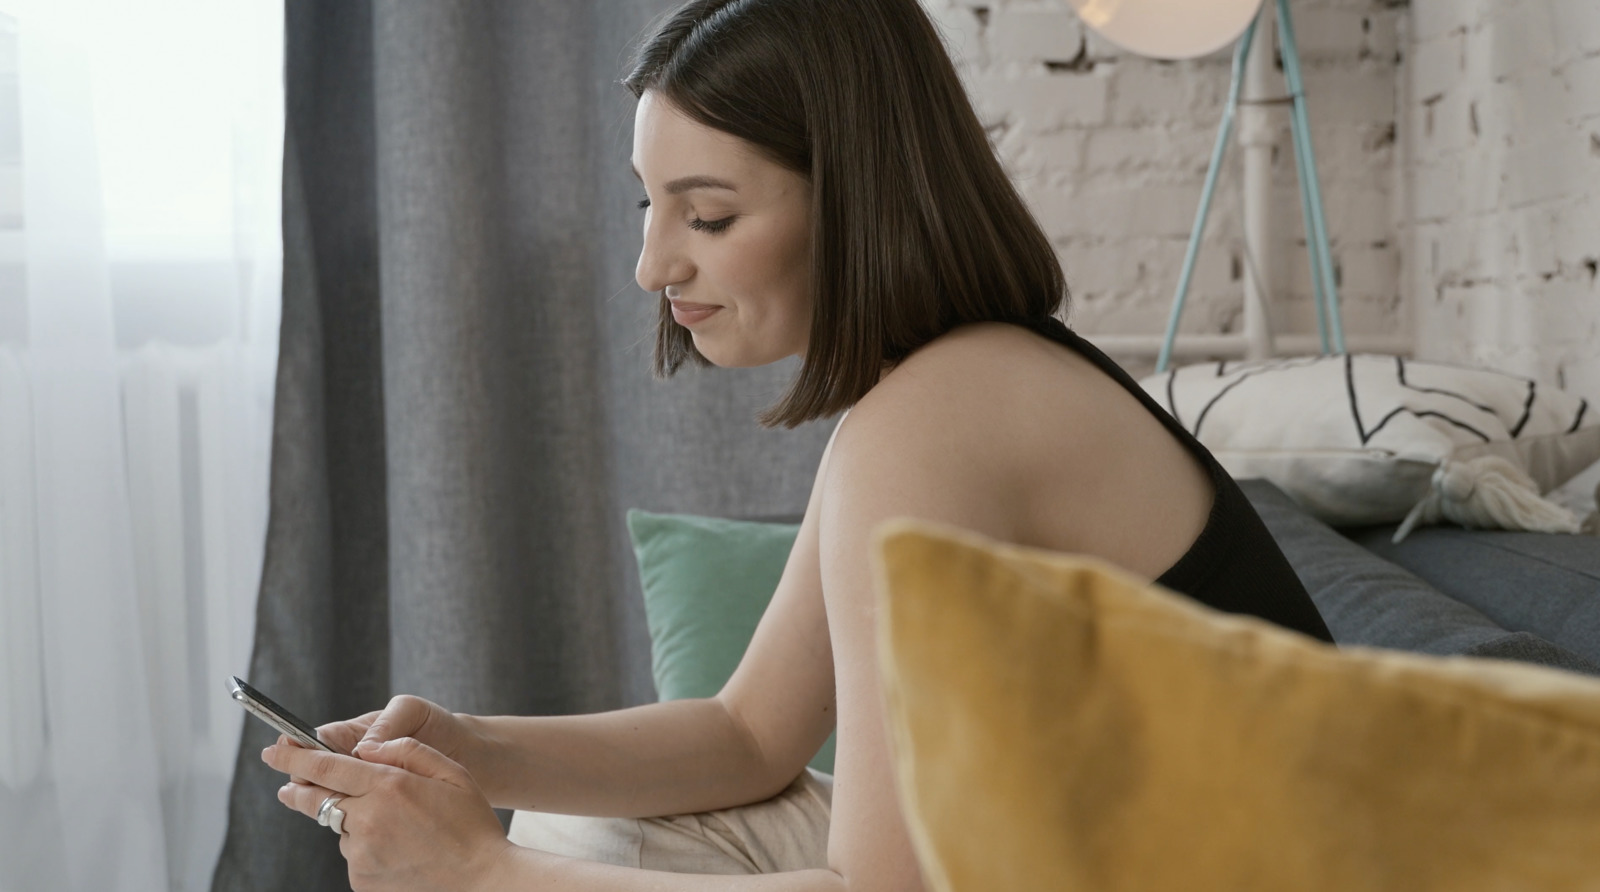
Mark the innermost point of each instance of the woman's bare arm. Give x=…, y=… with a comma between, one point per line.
x=685, y=756
x=662, y=758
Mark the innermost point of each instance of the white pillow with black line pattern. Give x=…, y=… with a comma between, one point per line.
x=1364, y=439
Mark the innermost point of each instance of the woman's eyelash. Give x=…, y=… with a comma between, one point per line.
x=696, y=224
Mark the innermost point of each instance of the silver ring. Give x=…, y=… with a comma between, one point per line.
x=330, y=815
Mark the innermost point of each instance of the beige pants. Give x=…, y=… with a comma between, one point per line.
x=784, y=833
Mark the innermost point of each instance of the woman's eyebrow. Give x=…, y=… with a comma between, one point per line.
x=698, y=181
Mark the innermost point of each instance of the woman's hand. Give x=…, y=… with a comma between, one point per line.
x=405, y=716
x=414, y=819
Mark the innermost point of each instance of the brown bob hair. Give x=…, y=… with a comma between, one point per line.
x=916, y=229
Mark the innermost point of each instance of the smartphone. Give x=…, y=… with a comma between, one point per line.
x=262, y=707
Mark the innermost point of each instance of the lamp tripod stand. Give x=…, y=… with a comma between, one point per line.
x=1251, y=62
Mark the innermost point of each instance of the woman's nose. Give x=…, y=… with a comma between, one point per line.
x=660, y=264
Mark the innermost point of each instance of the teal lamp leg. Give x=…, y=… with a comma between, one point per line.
x=1326, y=289
x=1224, y=132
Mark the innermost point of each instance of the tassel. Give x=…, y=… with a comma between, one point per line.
x=1488, y=492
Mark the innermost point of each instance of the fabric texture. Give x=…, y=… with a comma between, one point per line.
x=1372, y=602
x=1548, y=585
x=465, y=406
x=785, y=833
x=1363, y=439
x=1058, y=724
x=1234, y=564
x=707, y=581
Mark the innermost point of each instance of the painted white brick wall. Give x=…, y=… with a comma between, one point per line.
x=1110, y=151
x=1500, y=227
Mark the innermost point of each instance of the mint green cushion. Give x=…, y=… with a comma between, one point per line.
x=706, y=582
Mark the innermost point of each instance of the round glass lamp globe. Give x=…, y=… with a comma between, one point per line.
x=1168, y=29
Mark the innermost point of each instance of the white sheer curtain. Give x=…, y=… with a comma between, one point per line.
x=140, y=159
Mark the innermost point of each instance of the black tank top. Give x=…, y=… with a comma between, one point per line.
x=1234, y=564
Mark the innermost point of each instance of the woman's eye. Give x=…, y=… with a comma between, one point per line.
x=700, y=225
x=644, y=203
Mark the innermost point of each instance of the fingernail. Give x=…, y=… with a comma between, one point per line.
x=265, y=753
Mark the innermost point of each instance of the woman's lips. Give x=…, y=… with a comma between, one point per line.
x=687, y=314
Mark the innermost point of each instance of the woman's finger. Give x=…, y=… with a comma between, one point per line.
x=306, y=799
x=403, y=717
x=286, y=740
x=343, y=774
x=418, y=758
x=343, y=736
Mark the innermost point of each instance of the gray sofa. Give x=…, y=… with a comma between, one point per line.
x=1533, y=597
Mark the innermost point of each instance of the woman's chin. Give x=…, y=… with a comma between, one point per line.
x=721, y=356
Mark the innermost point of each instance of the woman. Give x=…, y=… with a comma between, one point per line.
x=816, y=185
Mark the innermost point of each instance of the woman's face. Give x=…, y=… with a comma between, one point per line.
x=727, y=236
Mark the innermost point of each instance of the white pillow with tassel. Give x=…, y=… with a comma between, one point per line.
x=1363, y=439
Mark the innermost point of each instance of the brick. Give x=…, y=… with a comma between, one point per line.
x=1163, y=151
x=1548, y=170
x=1581, y=369
x=1328, y=32
x=1046, y=102
x=1052, y=157
x=1034, y=36
x=1576, y=28
x=1533, y=242
x=1360, y=314
x=1088, y=268
x=1443, y=332
x=1098, y=49
x=1368, y=271
x=1382, y=38
x=1163, y=211
x=1127, y=312
x=1435, y=190
x=1554, y=313
x=1355, y=154
x=1363, y=272
x=1145, y=211
x=1445, y=126
x=1538, y=103
x=1476, y=248
x=1483, y=182
x=1338, y=96
x=1583, y=88
x=1431, y=19
x=1493, y=108
x=1144, y=92
x=1357, y=215
x=1434, y=67
x=1213, y=270
x=1577, y=228
x=963, y=34
x=1522, y=40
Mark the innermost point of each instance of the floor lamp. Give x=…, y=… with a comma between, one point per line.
x=1181, y=29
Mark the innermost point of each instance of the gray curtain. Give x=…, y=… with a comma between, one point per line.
x=464, y=402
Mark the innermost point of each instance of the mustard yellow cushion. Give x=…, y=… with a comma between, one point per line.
x=1060, y=725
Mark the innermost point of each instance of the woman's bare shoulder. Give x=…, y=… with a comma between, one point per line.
x=965, y=421
x=978, y=381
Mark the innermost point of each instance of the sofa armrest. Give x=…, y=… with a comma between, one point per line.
x=1544, y=583
x=1369, y=601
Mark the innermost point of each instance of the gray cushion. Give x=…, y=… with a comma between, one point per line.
x=1544, y=583
x=1368, y=601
